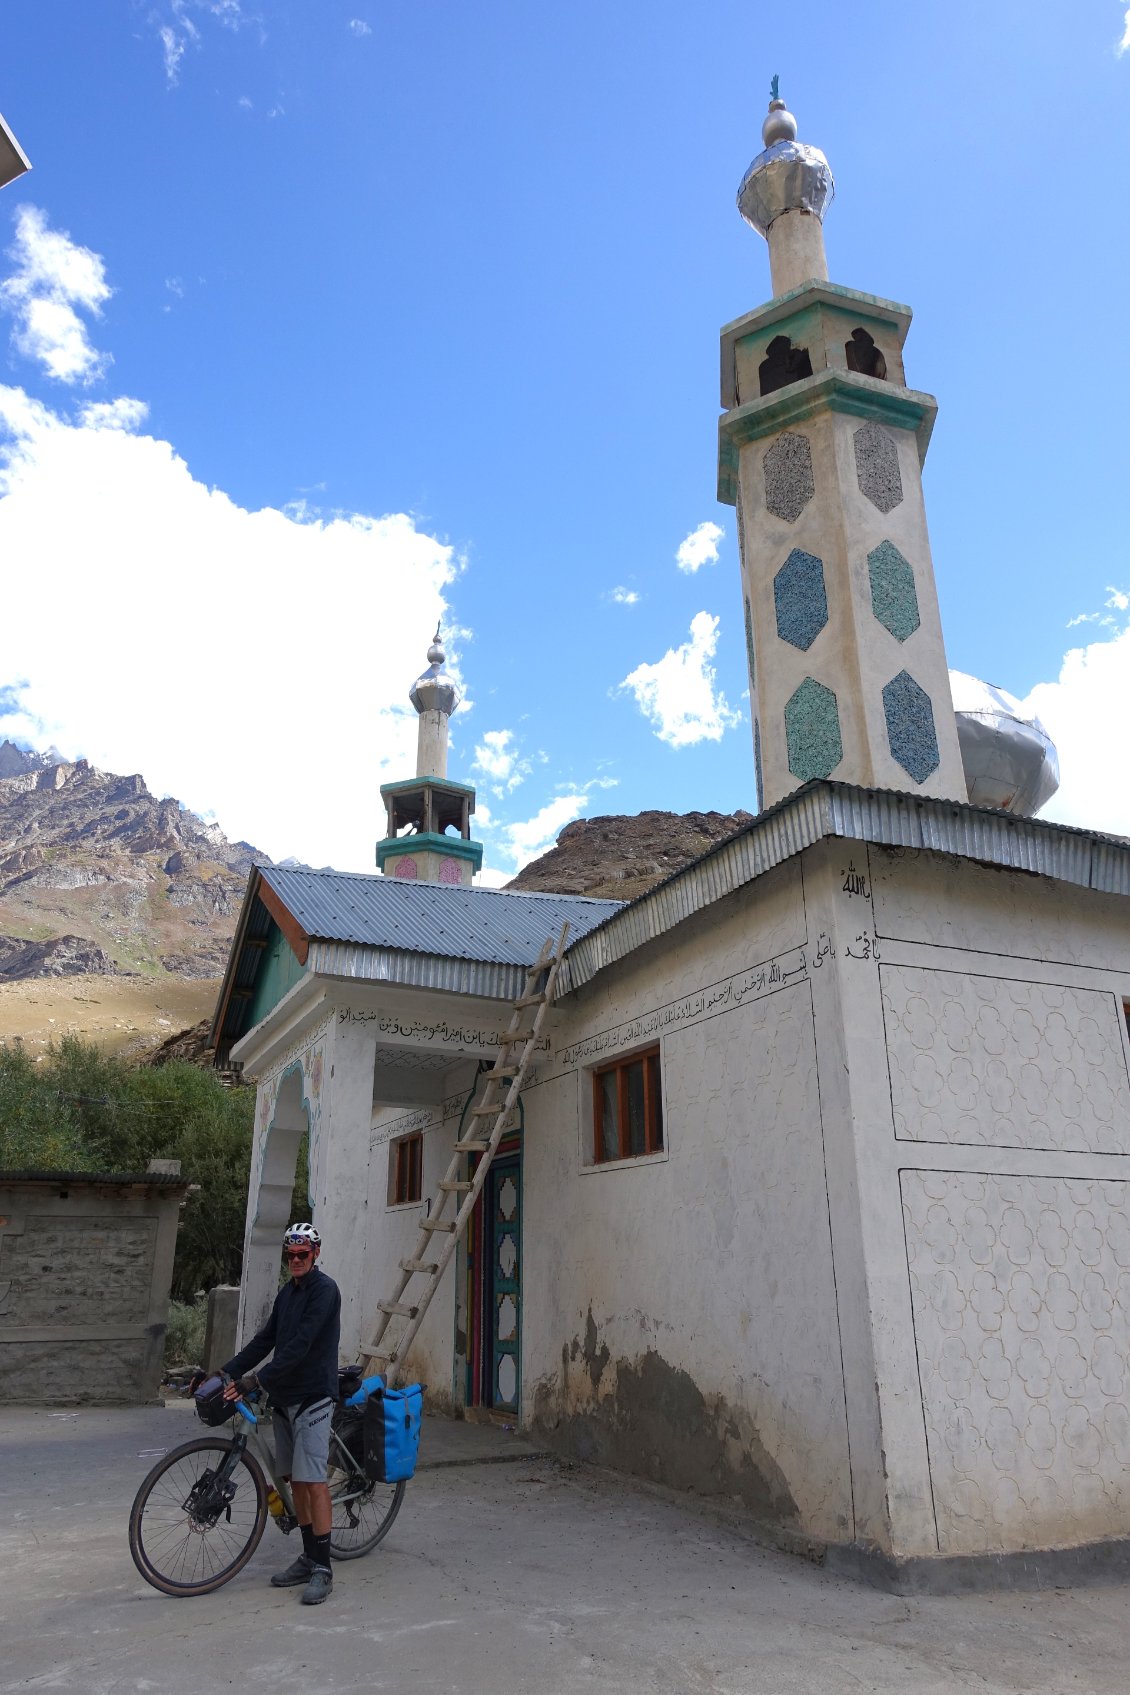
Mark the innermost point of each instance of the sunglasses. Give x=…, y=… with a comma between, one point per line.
x=297, y=1253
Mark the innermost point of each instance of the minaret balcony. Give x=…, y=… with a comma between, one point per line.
x=825, y=391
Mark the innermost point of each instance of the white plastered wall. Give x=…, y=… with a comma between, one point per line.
x=988, y=1093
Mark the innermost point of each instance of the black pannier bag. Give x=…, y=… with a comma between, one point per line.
x=349, y=1427
x=210, y=1404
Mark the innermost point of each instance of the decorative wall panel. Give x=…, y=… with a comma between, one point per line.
x=812, y=731
x=788, y=476
x=983, y=1061
x=894, y=599
x=800, y=599
x=1021, y=1296
x=877, y=467
x=910, y=726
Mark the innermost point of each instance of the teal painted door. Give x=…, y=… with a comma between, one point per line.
x=504, y=1283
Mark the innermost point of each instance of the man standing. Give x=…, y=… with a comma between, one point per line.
x=300, y=1382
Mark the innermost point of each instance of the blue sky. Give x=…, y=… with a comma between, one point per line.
x=374, y=311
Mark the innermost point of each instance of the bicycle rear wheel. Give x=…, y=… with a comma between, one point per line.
x=362, y=1513
x=187, y=1534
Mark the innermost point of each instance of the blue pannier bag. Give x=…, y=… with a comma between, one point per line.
x=392, y=1432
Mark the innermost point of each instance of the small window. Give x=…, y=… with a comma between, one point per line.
x=627, y=1110
x=783, y=364
x=405, y=1168
x=863, y=356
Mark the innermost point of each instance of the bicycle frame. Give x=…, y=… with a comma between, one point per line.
x=253, y=1435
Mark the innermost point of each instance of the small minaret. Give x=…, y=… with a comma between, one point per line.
x=428, y=806
x=821, y=449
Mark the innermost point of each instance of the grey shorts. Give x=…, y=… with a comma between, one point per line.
x=302, y=1442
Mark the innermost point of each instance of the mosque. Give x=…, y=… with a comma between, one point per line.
x=816, y=1201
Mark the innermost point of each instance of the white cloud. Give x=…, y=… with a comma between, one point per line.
x=120, y=414
x=177, y=30
x=150, y=621
x=360, y=27
x=531, y=837
x=699, y=548
x=497, y=758
x=678, y=693
x=624, y=597
x=53, y=275
x=1124, y=44
x=1084, y=711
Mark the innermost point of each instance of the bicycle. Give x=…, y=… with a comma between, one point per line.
x=200, y=1513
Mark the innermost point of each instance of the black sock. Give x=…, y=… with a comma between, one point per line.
x=319, y=1550
x=307, y=1540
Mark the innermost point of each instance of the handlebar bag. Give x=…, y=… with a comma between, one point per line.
x=392, y=1432
x=210, y=1404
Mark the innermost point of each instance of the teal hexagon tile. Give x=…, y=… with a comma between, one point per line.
x=800, y=599
x=910, y=727
x=812, y=731
x=894, y=599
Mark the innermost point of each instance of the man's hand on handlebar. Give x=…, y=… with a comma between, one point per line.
x=238, y=1387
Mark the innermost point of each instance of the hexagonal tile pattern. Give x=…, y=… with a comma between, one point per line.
x=788, y=476
x=812, y=731
x=877, y=467
x=800, y=599
x=910, y=727
x=894, y=599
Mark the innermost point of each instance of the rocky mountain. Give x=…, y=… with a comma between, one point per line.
x=620, y=857
x=99, y=877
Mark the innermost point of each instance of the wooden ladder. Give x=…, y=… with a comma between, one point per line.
x=420, y=1276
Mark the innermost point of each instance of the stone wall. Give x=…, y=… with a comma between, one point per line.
x=85, y=1268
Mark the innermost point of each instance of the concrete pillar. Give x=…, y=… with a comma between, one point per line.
x=339, y=1168
x=431, y=745
x=796, y=251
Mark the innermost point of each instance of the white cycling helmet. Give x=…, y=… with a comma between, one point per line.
x=302, y=1236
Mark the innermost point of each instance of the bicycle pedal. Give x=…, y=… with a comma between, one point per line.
x=286, y=1523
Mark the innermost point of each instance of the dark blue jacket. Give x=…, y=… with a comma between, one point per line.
x=303, y=1329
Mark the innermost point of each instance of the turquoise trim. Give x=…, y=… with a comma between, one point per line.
x=426, y=783
x=278, y=972
x=826, y=391
x=827, y=293
x=428, y=841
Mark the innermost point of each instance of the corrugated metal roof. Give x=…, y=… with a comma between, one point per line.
x=884, y=817
x=102, y=1179
x=486, y=925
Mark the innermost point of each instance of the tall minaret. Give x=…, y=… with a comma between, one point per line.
x=428, y=806
x=821, y=451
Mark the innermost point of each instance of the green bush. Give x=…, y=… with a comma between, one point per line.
x=184, y=1332
x=79, y=1109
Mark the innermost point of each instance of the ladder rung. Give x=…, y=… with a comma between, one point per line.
x=453, y=1188
x=487, y=1111
x=472, y=1145
x=446, y=1225
x=420, y=1265
x=503, y=1071
x=397, y=1307
x=530, y=1000
x=379, y=1359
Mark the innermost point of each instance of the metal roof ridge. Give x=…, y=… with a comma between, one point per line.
x=826, y=808
x=446, y=890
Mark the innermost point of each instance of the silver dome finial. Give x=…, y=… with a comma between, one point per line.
x=780, y=125
x=435, y=690
x=436, y=655
x=788, y=176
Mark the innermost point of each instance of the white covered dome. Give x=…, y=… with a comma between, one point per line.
x=1009, y=759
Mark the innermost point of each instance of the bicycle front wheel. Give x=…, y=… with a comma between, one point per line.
x=191, y=1528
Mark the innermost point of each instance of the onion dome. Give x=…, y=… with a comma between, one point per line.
x=434, y=690
x=1009, y=759
x=789, y=176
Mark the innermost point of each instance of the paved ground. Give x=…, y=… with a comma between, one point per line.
x=497, y=1579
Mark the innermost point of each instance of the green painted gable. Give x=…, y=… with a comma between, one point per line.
x=278, y=972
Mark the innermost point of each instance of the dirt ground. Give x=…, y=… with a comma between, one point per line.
x=122, y=1014
x=519, y=1578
